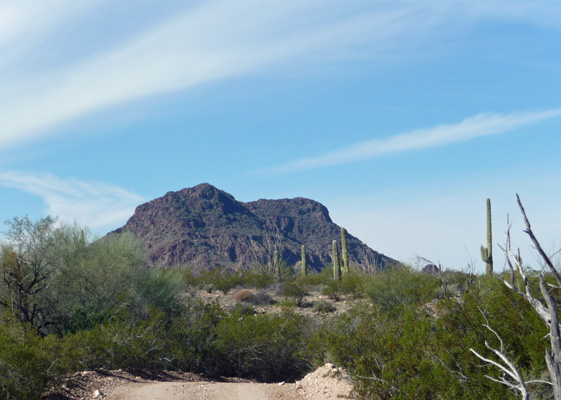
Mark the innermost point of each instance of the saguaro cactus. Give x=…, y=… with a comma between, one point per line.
x=519, y=257
x=345, y=251
x=304, y=262
x=276, y=265
x=487, y=252
x=336, y=264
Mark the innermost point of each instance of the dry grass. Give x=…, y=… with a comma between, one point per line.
x=244, y=295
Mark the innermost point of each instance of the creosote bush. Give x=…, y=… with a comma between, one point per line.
x=395, y=289
x=322, y=306
x=261, y=298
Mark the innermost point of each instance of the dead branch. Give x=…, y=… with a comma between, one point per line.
x=512, y=378
x=548, y=312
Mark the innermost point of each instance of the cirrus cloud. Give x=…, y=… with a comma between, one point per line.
x=92, y=204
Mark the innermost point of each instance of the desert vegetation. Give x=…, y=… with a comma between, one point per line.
x=69, y=303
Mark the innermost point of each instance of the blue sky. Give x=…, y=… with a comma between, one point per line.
x=401, y=117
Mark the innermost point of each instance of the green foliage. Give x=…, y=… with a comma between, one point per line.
x=220, y=279
x=256, y=279
x=297, y=290
x=350, y=284
x=156, y=288
x=25, y=371
x=333, y=289
x=265, y=347
x=354, y=283
x=57, y=281
x=394, y=289
x=227, y=280
x=322, y=306
x=321, y=278
x=403, y=358
x=261, y=298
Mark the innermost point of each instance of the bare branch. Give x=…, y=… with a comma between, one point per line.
x=508, y=368
x=537, y=245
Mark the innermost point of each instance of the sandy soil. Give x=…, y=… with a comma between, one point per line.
x=324, y=383
x=206, y=391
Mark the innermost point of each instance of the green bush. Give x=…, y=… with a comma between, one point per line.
x=322, y=306
x=220, y=279
x=158, y=288
x=256, y=279
x=261, y=298
x=25, y=371
x=296, y=289
x=394, y=289
x=333, y=289
x=265, y=347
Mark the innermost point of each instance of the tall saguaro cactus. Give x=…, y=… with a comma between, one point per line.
x=276, y=265
x=487, y=252
x=345, y=251
x=304, y=262
x=336, y=264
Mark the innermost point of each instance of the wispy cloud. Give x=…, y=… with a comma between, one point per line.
x=92, y=204
x=213, y=42
x=209, y=42
x=24, y=23
x=469, y=128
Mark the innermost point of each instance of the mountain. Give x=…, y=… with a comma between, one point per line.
x=204, y=227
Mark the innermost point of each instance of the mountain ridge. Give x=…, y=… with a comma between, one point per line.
x=204, y=227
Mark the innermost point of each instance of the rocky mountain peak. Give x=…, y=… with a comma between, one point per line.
x=205, y=227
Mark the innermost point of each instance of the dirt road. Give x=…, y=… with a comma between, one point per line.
x=207, y=391
x=326, y=382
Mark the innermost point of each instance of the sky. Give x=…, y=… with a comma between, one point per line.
x=401, y=117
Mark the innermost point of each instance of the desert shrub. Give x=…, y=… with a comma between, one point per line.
x=209, y=287
x=241, y=309
x=295, y=289
x=25, y=371
x=390, y=358
x=244, y=295
x=411, y=354
x=158, y=288
x=322, y=306
x=261, y=298
x=354, y=284
x=287, y=304
x=257, y=279
x=194, y=336
x=220, y=279
x=59, y=281
x=265, y=347
x=125, y=341
x=396, y=288
x=333, y=289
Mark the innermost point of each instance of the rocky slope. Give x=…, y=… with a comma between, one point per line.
x=204, y=227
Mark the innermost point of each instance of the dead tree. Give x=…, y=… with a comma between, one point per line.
x=547, y=312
